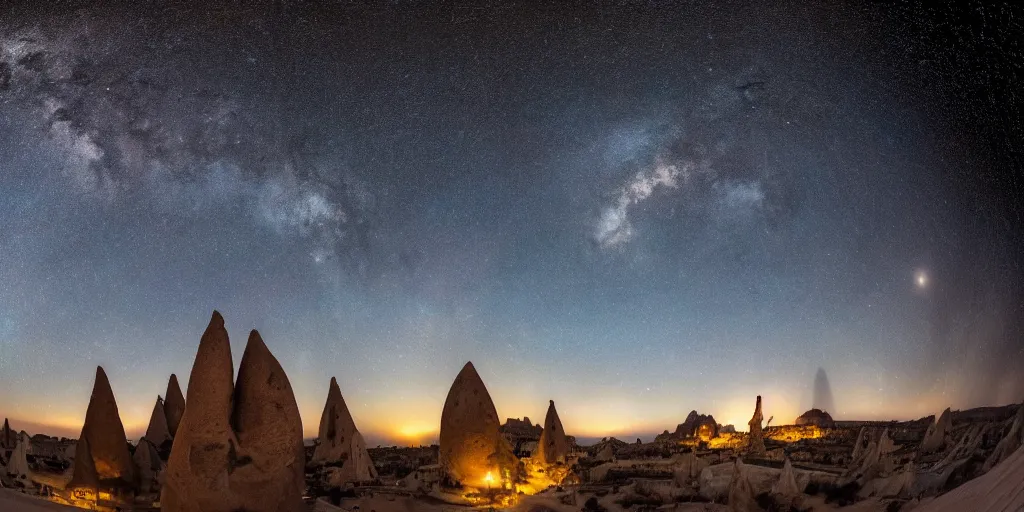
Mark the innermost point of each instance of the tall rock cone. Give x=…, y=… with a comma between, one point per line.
x=756, y=443
x=109, y=463
x=174, y=405
x=267, y=420
x=238, y=447
x=553, y=446
x=198, y=470
x=339, y=440
x=336, y=427
x=157, y=432
x=471, y=449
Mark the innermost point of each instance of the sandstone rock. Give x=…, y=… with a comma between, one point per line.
x=935, y=437
x=786, y=485
x=157, y=432
x=756, y=443
x=605, y=454
x=7, y=438
x=237, y=448
x=998, y=490
x=1009, y=443
x=553, y=446
x=858, y=446
x=109, y=463
x=687, y=467
x=816, y=417
x=741, y=492
x=147, y=465
x=470, y=445
x=17, y=466
x=339, y=440
x=174, y=405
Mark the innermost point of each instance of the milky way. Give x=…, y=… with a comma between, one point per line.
x=633, y=211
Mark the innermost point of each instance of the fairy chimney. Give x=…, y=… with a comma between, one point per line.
x=107, y=461
x=238, y=447
x=471, y=449
x=174, y=404
x=553, y=446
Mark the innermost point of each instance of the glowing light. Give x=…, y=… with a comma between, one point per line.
x=489, y=478
x=921, y=279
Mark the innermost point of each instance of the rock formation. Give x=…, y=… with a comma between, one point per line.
x=786, y=485
x=816, y=417
x=997, y=490
x=107, y=462
x=174, y=405
x=686, y=468
x=17, y=466
x=756, y=443
x=553, y=446
x=147, y=465
x=237, y=447
x=1009, y=443
x=935, y=437
x=741, y=491
x=471, y=449
x=858, y=445
x=157, y=433
x=7, y=437
x=339, y=440
x=703, y=426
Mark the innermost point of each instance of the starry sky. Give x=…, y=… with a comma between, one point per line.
x=635, y=210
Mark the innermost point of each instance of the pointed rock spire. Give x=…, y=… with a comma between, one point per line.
x=858, y=446
x=786, y=485
x=17, y=466
x=469, y=438
x=238, y=446
x=336, y=427
x=197, y=470
x=7, y=438
x=267, y=420
x=935, y=437
x=110, y=461
x=553, y=446
x=148, y=465
x=157, y=431
x=174, y=405
x=741, y=491
x=756, y=443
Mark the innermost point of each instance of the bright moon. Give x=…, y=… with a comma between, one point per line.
x=921, y=279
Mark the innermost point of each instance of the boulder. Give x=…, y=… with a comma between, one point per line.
x=238, y=447
x=553, y=446
x=108, y=463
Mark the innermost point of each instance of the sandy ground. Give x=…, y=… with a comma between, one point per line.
x=13, y=500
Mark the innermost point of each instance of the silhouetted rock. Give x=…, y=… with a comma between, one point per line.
x=339, y=440
x=246, y=457
x=756, y=443
x=7, y=437
x=553, y=446
x=147, y=465
x=108, y=464
x=471, y=449
x=816, y=417
x=174, y=405
x=157, y=432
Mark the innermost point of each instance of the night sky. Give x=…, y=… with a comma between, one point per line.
x=634, y=210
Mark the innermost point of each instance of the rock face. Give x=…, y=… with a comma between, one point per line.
x=1009, y=443
x=174, y=405
x=935, y=437
x=816, y=417
x=553, y=446
x=148, y=465
x=157, y=433
x=471, y=449
x=997, y=490
x=339, y=440
x=107, y=463
x=237, y=447
x=703, y=426
x=756, y=445
x=741, y=491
